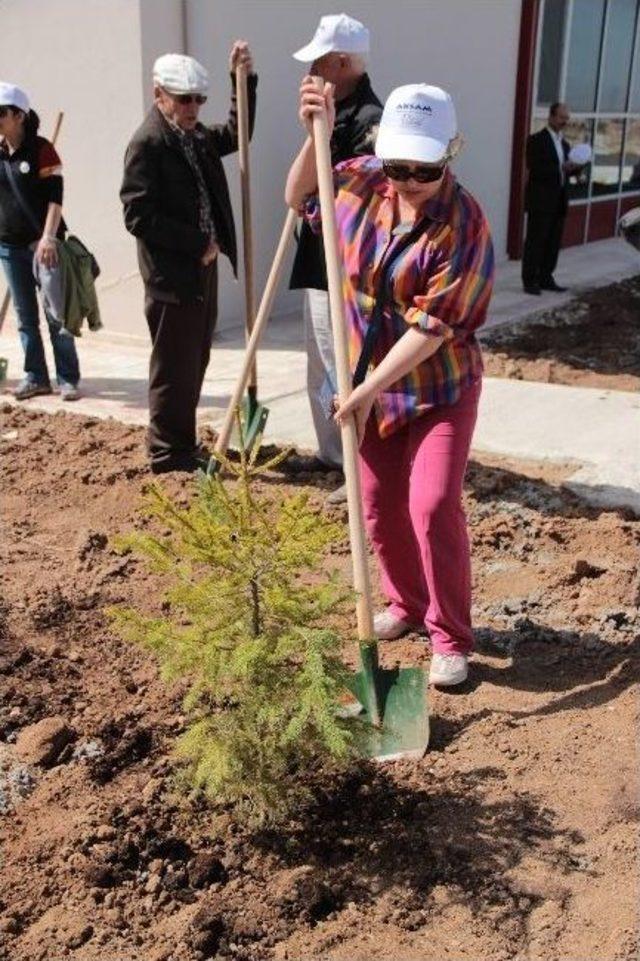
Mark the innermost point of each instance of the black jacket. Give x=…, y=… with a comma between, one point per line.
x=545, y=191
x=160, y=199
x=353, y=136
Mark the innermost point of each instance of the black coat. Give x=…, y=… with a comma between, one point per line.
x=545, y=191
x=353, y=136
x=160, y=199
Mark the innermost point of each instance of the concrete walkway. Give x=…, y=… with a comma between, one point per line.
x=595, y=430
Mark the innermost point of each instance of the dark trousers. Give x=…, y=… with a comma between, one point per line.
x=181, y=338
x=542, y=246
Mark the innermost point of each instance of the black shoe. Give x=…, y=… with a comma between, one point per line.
x=532, y=289
x=301, y=463
x=189, y=466
x=552, y=285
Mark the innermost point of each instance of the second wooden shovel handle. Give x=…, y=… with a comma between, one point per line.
x=263, y=315
x=245, y=187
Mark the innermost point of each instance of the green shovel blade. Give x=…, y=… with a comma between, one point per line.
x=404, y=708
x=254, y=418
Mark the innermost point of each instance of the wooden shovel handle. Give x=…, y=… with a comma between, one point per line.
x=6, y=300
x=56, y=129
x=264, y=312
x=340, y=341
x=245, y=187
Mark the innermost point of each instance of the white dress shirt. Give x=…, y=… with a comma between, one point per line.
x=557, y=142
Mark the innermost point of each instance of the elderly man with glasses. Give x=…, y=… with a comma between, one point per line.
x=177, y=206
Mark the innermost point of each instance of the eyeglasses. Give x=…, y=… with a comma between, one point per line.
x=187, y=98
x=422, y=174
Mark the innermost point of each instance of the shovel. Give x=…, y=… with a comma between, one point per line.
x=254, y=415
x=264, y=312
x=393, y=701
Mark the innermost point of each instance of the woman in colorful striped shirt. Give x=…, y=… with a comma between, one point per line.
x=417, y=279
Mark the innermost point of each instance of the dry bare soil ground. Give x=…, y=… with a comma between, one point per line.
x=515, y=838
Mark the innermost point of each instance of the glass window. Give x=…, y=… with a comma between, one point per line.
x=551, y=51
x=579, y=131
x=631, y=165
x=607, y=156
x=618, y=50
x=584, y=54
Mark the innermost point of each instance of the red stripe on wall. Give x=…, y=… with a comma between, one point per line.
x=522, y=123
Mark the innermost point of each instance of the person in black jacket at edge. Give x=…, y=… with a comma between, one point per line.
x=176, y=204
x=546, y=201
x=337, y=53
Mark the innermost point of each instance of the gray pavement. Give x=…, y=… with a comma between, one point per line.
x=595, y=431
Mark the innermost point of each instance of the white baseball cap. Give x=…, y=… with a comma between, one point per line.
x=418, y=123
x=12, y=96
x=336, y=33
x=177, y=73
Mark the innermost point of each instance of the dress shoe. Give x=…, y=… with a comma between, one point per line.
x=304, y=463
x=532, y=289
x=552, y=285
x=187, y=466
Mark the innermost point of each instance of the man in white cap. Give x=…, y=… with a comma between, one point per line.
x=176, y=203
x=338, y=53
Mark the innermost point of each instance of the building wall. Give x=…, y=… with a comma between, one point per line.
x=83, y=57
x=469, y=47
x=93, y=59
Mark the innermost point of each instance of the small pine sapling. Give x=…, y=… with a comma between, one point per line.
x=249, y=631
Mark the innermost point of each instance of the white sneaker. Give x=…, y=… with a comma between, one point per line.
x=388, y=627
x=447, y=670
x=69, y=392
x=338, y=496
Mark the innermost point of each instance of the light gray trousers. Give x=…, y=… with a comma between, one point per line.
x=320, y=362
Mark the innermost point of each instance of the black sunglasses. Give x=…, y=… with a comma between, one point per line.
x=187, y=98
x=421, y=174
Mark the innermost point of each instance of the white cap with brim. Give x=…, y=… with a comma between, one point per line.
x=12, y=96
x=336, y=33
x=177, y=73
x=418, y=123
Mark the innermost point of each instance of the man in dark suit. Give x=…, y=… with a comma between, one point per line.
x=176, y=204
x=546, y=201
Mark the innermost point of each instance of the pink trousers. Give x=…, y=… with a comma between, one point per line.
x=412, y=492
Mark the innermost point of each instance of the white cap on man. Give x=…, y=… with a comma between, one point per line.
x=418, y=123
x=336, y=33
x=12, y=96
x=177, y=73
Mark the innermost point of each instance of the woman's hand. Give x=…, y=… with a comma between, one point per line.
x=359, y=403
x=313, y=103
x=47, y=252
